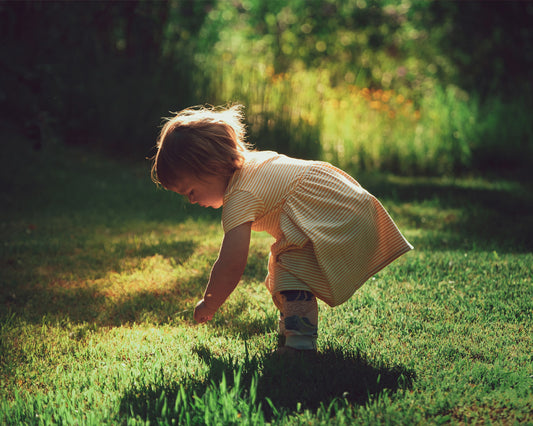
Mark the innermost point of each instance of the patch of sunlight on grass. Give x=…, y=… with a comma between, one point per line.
x=473, y=182
x=427, y=215
x=150, y=274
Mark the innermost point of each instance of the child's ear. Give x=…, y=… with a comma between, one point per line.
x=237, y=164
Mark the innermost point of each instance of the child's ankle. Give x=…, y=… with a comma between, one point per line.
x=301, y=343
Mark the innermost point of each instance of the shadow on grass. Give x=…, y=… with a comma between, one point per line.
x=291, y=383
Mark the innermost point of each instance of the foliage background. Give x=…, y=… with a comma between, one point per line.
x=425, y=87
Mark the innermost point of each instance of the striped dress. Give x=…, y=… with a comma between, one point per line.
x=330, y=234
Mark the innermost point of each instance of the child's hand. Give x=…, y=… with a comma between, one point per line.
x=201, y=313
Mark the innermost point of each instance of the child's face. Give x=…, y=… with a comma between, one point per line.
x=207, y=191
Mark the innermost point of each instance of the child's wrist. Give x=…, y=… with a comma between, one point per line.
x=208, y=305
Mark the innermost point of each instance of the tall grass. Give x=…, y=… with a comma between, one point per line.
x=444, y=131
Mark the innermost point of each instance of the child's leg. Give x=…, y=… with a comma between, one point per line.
x=298, y=318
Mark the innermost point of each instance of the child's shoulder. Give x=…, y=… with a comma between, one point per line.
x=260, y=156
x=268, y=165
x=263, y=164
x=254, y=158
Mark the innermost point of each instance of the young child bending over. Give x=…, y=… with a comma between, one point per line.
x=330, y=234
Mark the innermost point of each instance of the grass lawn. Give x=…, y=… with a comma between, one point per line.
x=100, y=272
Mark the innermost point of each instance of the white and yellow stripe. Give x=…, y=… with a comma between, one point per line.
x=331, y=234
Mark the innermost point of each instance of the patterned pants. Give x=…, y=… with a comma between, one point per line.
x=298, y=319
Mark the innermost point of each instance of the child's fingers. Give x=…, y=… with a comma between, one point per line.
x=200, y=317
x=203, y=319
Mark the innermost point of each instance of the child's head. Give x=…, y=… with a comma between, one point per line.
x=199, y=142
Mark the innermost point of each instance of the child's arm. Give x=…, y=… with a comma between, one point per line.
x=226, y=272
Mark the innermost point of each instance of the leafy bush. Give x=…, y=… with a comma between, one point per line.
x=424, y=87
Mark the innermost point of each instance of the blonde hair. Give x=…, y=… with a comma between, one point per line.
x=200, y=141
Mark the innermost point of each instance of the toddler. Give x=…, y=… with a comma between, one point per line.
x=330, y=234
